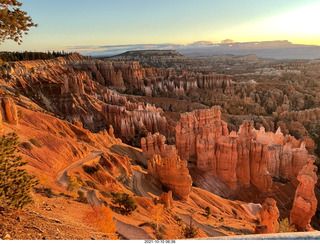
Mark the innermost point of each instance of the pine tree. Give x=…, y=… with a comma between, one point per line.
x=125, y=200
x=15, y=182
x=14, y=22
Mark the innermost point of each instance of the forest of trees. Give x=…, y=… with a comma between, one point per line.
x=20, y=56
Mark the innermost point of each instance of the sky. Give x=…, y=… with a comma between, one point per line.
x=85, y=25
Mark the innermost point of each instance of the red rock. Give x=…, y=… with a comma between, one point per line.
x=305, y=201
x=173, y=173
x=249, y=157
x=269, y=215
x=10, y=110
x=155, y=144
x=166, y=199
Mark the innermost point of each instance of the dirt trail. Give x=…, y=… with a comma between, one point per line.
x=209, y=230
x=62, y=178
x=137, y=186
x=131, y=232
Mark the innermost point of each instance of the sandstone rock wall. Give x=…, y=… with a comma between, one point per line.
x=155, y=144
x=173, y=173
x=8, y=112
x=303, y=116
x=269, y=215
x=66, y=87
x=305, y=201
x=248, y=157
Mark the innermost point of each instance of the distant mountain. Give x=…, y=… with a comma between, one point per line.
x=267, y=49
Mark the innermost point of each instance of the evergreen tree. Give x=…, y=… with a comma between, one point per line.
x=15, y=182
x=125, y=200
x=14, y=22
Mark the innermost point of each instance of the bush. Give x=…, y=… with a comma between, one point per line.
x=45, y=191
x=62, y=134
x=89, y=169
x=101, y=218
x=81, y=197
x=35, y=142
x=91, y=184
x=73, y=184
x=235, y=212
x=15, y=182
x=208, y=211
x=178, y=219
x=26, y=145
x=124, y=200
x=105, y=194
x=20, y=114
x=284, y=226
x=190, y=231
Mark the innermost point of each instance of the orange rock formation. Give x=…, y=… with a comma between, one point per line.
x=305, y=201
x=269, y=215
x=173, y=173
x=155, y=144
x=9, y=111
x=248, y=157
x=65, y=86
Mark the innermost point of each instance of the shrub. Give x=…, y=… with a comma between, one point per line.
x=26, y=145
x=91, y=184
x=73, y=184
x=62, y=134
x=105, y=194
x=45, y=191
x=35, y=142
x=208, y=211
x=157, y=214
x=178, y=219
x=89, y=169
x=235, y=212
x=284, y=226
x=190, y=231
x=15, y=182
x=81, y=197
x=20, y=114
x=124, y=200
x=101, y=218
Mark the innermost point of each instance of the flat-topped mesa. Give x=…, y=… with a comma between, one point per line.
x=173, y=173
x=305, y=201
x=248, y=157
x=155, y=144
x=269, y=215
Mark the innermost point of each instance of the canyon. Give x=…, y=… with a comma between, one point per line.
x=163, y=133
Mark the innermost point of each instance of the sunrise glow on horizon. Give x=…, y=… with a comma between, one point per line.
x=64, y=25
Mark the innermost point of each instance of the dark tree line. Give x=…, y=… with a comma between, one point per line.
x=21, y=56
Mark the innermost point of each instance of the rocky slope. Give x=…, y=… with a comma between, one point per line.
x=58, y=150
x=224, y=153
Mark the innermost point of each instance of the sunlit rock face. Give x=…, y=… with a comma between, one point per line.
x=155, y=144
x=71, y=87
x=243, y=158
x=305, y=201
x=269, y=215
x=8, y=112
x=173, y=173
